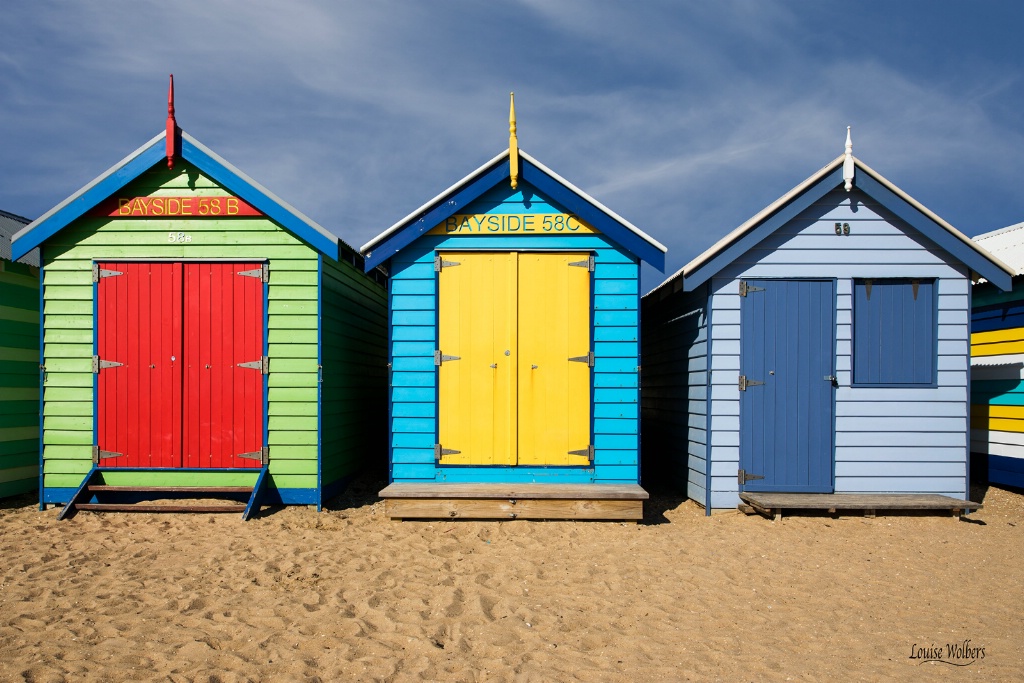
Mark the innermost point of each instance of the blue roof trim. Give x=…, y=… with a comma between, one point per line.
x=610, y=227
x=74, y=208
x=232, y=180
x=787, y=213
x=936, y=233
x=441, y=210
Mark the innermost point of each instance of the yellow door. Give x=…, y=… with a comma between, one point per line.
x=477, y=344
x=509, y=325
x=554, y=391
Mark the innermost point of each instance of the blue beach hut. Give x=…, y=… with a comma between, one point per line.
x=514, y=349
x=818, y=350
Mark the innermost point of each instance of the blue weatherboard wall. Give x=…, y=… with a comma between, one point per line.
x=413, y=313
x=886, y=438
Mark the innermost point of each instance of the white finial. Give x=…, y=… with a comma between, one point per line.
x=848, y=162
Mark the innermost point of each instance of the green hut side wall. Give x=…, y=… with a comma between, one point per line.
x=354, y=389
x=293, y=336
x=19, y=378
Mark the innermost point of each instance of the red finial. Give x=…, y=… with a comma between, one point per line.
x=172, y=125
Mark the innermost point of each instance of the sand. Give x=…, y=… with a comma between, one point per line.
x=347, y=595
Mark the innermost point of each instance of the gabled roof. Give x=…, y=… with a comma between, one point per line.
x=458, y=196
x=152, y=153
x=1006, y=244
x=791, y=204
x=11, y=223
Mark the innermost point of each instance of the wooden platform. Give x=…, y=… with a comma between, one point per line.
x=772, y=504
x=514, y=501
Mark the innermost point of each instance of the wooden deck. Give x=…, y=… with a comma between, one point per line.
x=771, y=505
x=514, y=501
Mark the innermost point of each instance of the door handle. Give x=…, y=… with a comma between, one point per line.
x=833, y=379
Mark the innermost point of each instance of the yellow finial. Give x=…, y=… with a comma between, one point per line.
x=513, y=142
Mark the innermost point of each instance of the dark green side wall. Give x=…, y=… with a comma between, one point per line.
x=19, y=378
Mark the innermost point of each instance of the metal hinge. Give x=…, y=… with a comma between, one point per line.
x=746, y=289
x=441, y=358
x=742, y=477
x=98, y=364
x=98, y=272
x=588, y=264
x=588, y=359
x=438, y=452
x=744, y=383
x=263, y=273
x=588, y=451
x=263, y=365
x=97, y=454
x=263, y=455
x=440, y=264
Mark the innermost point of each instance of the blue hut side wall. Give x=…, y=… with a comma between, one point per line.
x=997, y=383
x=674, y=391
x=413, y=322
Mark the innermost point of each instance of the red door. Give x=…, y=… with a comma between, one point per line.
x=174, y=341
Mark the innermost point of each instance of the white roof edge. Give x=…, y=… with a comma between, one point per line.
x=397, y=226
x=270, y=195
x=423, y=207
x=1000, y=231
x=721, y=244
x=95, y=181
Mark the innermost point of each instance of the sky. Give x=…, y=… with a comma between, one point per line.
x=684, y=117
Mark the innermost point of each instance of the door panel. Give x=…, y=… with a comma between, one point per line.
x=139, y=326
x=786, y=423
x=477, y=392
x=179, y=399
x=554, y=392
x=502, y=314
x=223, y=403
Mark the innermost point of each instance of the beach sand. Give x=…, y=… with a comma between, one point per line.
x=347, y=595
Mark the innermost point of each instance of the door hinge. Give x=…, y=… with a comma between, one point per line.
x=263, y=365
x=588, y=451
x=97, y=455
x=743, y=477
x=98, y=364
x=98, y=272
x=263, y=455
x=441, y=358
x=746, y=289
x=440, y=264
x=263, y=273
x=588, y=263
x=588, y=359
x=744, y=383
x=438, y=452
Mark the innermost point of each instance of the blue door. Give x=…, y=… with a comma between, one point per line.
x=787, y=338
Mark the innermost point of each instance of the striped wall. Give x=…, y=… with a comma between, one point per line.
x=887, y=439
x=413, y=321
x=997, y=382
x=293, y=335
x=19, y=378
x=674, y=390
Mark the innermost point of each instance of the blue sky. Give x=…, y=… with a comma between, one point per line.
x=684, y=117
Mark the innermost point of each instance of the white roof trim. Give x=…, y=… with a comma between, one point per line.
x=762, y=215
x=405, y=221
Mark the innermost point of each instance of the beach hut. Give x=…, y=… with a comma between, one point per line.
x=201, y=338
x=817, y=352
x=997, y=366
x=514, y=354
x=19, y=363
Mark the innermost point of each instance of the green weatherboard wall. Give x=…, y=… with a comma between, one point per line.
x=19, y=378
x=310, y=451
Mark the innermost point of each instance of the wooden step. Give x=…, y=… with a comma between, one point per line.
x=106, y=488
x=148, y=507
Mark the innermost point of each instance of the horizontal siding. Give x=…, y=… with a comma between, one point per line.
x=68, y=338
x=413, y=329
x=19, y=378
